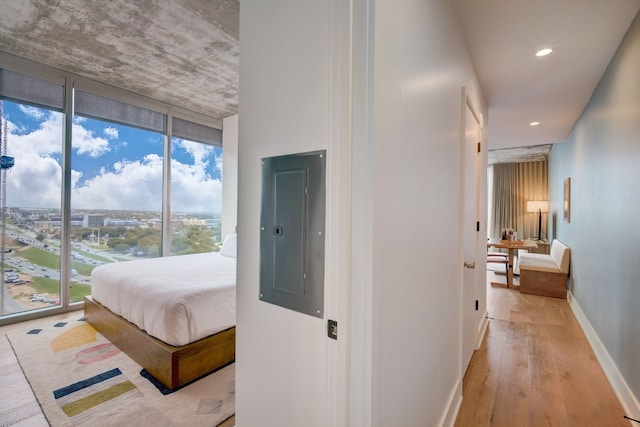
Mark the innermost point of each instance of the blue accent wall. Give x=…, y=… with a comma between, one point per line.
x=602, y=158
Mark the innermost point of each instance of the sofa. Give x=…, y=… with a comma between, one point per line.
x=546, y=274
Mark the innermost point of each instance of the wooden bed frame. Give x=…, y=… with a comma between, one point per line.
x=172, y=366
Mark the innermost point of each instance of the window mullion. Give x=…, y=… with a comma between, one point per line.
x=166, y=189
x=65, y=226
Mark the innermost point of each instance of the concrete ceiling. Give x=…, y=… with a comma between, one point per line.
x=503, y=37
x=186, y=53
x=531, y=153
x=183, y=52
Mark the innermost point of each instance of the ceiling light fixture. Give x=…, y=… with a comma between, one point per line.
x=534, y=123
x=544, y=52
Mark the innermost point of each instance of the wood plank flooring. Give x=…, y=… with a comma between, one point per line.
x=535, y=368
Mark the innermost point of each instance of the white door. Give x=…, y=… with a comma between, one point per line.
x=473, y=263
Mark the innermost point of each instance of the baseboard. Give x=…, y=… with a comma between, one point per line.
x=453, y=406
x=455, y=399
x=620, y=387
x=482, y=329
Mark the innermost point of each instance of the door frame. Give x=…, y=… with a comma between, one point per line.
x=478, y=319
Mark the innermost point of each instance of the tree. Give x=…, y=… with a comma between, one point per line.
x=200, y=239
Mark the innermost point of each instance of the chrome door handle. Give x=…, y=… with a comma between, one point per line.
x=470, y=264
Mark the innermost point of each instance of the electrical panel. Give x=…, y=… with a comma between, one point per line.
x=292, y=229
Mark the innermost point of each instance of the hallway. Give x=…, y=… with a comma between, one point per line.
x=535, y=368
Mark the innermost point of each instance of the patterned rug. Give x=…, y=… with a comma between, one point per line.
x=81, y=379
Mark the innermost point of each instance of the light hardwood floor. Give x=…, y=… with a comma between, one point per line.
x=535, y=368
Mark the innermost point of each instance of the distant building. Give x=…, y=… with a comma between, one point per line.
x=42, y=225
x=193, y=222
x=114, y=222
x=93, y=221
x=212, y=222
x=55, y=222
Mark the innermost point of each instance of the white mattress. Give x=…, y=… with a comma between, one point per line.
x=178, y=299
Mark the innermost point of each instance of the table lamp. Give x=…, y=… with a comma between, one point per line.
x=538, y=206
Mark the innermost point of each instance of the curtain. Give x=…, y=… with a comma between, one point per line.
x=513, y=185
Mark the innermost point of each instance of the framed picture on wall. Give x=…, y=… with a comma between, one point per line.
x=567, y=200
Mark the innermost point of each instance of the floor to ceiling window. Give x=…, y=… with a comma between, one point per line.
x=195, y=197
x=112, y=182
x=116, y=196
x=31, y=208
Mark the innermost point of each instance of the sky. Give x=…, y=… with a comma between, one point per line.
x=113, y=166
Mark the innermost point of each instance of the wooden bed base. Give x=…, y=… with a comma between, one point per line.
x=172, y=366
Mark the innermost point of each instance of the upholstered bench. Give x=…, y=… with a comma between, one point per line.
x=546, y=274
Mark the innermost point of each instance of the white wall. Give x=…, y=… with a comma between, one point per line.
x=229, y=174
x=284, y=108
x=402, y=314
x=421, y=63
x=601, y=157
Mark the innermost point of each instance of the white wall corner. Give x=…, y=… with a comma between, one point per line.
x=338, y=218
x=482, y=329
x=453, y=406
x=620, y=387
x=455, y=400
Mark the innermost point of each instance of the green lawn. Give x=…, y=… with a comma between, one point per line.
x=79, y=291
x=43, y=285
x=52, y=286
x=41, y=257
x=44, y=258
x=92, y=255
x=82, y=268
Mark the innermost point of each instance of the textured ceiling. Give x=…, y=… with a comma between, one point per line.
x=533, y=153
x=183, y=52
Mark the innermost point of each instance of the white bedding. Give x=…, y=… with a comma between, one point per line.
x=177, y=299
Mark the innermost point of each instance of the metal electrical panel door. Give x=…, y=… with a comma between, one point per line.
x=292, y=232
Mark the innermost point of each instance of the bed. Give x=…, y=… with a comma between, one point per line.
x=175, y=316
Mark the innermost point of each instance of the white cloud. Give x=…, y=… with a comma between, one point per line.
x=137, y=185
x=13, y=128
x=35, y=180
x=199, y=152
x=44, y=140
x=111, y=132
x=85, y=142
x=34, y=112
x=192, y=190
x=134, y=185
x=219, y=163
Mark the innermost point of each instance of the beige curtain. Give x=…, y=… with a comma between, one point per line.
x=513, y=185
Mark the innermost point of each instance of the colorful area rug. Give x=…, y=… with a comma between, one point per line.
x=81, y=379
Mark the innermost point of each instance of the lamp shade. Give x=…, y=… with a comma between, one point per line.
x=537, y=206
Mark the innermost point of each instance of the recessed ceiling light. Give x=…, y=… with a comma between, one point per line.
x=544, y=52
x=534, y=123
